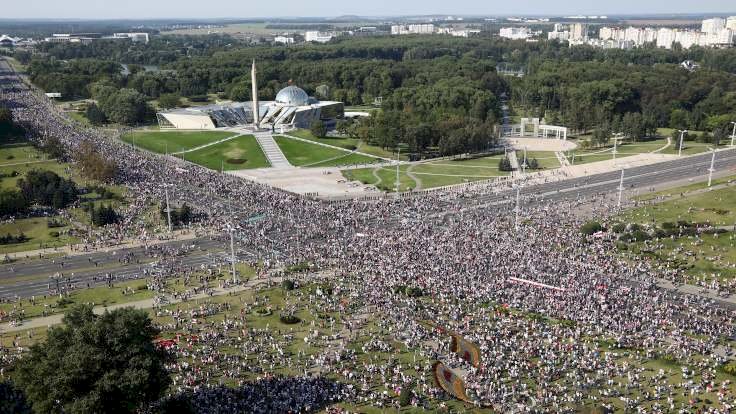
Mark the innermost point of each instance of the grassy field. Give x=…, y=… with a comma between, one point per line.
x=300, y=153
x=237, y=154
x=173, y=141
x=429, y=175
x=322, y=316
x=547, y=159
x=40, y=236
x=703, y=257
x=349, y=143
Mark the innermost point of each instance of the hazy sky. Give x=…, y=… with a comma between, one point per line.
x=139, y=9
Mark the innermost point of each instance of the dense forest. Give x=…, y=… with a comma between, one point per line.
x=432, y=87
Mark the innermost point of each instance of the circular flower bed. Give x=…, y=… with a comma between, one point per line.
x=263, y=312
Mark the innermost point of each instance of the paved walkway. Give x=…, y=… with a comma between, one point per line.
x=78, y=249
x=207, y=145
x=272, y=151
x=27, y=162
x=47, y=321
x=309, y=141
x=516, y=168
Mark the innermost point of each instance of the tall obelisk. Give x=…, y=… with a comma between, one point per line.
x=254, y=92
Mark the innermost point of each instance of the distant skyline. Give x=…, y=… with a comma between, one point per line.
x=149, y=9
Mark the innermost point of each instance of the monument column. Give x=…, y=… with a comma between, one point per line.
x=254, y=94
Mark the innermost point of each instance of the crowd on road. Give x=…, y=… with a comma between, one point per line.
x=546, y=346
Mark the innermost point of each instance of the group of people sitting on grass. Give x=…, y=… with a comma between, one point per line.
x=560, y=320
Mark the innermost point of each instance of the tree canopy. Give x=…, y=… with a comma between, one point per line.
x=94, y=364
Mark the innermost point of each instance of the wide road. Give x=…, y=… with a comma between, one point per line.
x=33, y=277
x=635, y=179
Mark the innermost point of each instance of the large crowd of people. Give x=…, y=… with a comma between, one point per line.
x=547, y=346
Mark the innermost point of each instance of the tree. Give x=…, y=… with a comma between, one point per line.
x=169, y=100
x=95, y=364
x=12, y=400
x=318, y=128
x=12, y=202
x=591, y=228
x=95, y=115
x=505, y=165
x=93, y=164
x=46, y=188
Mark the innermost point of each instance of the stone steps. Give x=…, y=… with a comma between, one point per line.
x=272, y=151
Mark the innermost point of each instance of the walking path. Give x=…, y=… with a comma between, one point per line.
x=272, y=151
x=309, y=141
x=410, y=173
x=27, y=162
x=516, y=168
x=207, y=145
x=47, y=321
x=564, y=162
x=79, y=249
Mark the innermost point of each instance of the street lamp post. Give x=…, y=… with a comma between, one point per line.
x=168, y=207
x=518, y=207
x=733, y=133
x=682, y=138
x=621, y=188
x=398, y=163
x=712, y=167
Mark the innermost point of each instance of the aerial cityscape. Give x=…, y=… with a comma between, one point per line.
x=345, y=207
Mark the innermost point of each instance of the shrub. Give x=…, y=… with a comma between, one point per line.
x=54, y=233
x=619, y=228
x=640, y=236
x=288, y=285
x=405, y=395
x=414, y=292
x=289, y=319
x=591, y=228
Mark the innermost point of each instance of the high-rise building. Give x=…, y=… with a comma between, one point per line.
x=665, y=37
x=731, y=23
x=713, y=25
x=515, y=33
x=578, y=31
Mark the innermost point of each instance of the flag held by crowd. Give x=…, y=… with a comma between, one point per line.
x=450, y=382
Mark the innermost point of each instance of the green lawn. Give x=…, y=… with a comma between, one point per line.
x=38, y=232
x=717, y=207
x=240, y=153
x=547, y=159
x=431, y=174
x=300, y=153
x=387, y=175
x=79, y=117
x=704, y=257
x=685, y=189
x=349, y=143
x=16, y=159
x=173, y=141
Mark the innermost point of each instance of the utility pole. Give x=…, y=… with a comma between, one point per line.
x=733, y=134
x=712, y=167
x=398, y=163
x=523, y=166
x=232, y=249
x=621, y=188
x=168, y=207
x=518, y=207
x=682, y=138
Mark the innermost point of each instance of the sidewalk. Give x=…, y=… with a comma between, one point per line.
x=68, y=250
x=48, y=321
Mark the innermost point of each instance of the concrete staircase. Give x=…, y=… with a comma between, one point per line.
x=272, y=151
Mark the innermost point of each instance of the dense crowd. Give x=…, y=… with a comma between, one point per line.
x=461, y=259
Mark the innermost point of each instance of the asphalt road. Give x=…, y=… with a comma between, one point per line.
x=33, y=277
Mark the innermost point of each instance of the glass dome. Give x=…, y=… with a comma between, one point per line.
x=292, y=95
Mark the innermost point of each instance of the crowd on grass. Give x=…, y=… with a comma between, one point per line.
x=596, y=329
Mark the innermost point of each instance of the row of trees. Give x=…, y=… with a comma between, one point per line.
x=44, y=188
